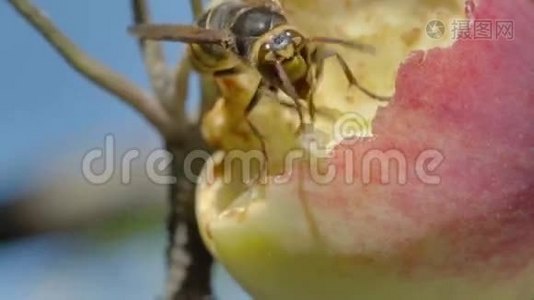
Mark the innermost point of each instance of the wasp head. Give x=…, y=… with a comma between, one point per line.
x=282, y=46
x=286, y=48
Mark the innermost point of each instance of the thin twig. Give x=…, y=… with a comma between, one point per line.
x=98, y=73
x=153, y=56
x=196, y=8
x=181, y=87
x=183, y=72
x=208, y=88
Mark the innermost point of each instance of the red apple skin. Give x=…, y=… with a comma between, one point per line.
x=474, y=103
x=470, y=236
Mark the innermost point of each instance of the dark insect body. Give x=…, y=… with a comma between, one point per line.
x=238, y=34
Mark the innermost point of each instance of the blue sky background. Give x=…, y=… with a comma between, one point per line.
x=45, y=105
x=46, y=111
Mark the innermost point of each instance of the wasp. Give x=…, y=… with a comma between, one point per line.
x=239, y=34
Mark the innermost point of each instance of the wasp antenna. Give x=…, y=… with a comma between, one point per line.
x=366, y=48
x=138, y=30
x=178, y=33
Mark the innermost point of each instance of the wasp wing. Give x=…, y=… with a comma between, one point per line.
x=179, y=33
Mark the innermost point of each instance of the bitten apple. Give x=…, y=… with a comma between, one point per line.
x=455, y=218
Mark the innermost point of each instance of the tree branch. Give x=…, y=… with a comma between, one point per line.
x=194, y=280
x=188, y=261
x=208, y=87
x=98, y=73
x=196, y=8
x=160, y=77
x=189, y=280
x=181, y=87
x=183, y=230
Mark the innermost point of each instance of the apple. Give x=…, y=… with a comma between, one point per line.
x=432, y=198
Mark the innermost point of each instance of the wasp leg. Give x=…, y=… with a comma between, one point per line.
x=228, y=72
x=325, y=113
x=289, y=89
x=345, y=43
x=319, y=70
x=353, y=81
x=253, y=102
x=322, y=55
x=312, y=109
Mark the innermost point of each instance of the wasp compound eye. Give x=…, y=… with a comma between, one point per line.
x=256, y=22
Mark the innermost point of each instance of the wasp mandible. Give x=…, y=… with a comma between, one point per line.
x=239, y=34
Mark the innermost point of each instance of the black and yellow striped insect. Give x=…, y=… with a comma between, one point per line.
x=238, y=34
